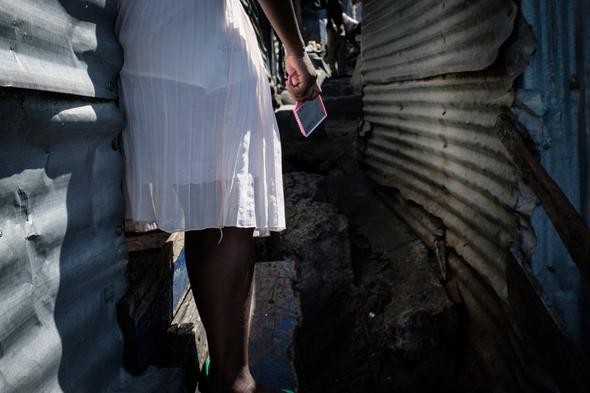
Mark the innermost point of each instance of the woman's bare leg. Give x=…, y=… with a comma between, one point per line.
x=221, y=275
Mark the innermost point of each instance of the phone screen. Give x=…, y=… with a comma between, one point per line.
x=309, y=115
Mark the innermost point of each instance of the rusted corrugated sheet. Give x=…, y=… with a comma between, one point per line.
x=434, y=140
x=433, y=89
x=409, y=39
x=64, y=46
x=433, y=136
x=62, y=256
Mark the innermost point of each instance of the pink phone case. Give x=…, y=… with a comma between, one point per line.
x=309, y=115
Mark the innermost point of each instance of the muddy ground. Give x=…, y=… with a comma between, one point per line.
x=375, y=317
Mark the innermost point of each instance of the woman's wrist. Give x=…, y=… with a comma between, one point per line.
x=298, y=51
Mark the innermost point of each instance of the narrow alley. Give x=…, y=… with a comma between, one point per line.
x=375, y=317
x=437, y=222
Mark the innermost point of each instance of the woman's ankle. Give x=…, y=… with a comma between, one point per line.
x=242, y=382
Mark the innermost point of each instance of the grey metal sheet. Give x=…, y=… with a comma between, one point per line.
x=62, y=252
x=434, y=141
x=432, y=99
x=65, y=46
x=409, y=39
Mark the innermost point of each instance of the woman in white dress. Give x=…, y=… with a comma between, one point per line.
x=202, y=150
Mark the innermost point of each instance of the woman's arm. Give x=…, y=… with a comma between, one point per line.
x=281, y=15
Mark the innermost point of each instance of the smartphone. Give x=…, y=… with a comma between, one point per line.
x=309, y=115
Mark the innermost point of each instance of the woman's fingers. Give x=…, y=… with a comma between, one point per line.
x=302, y=82
x=307, y=90
x=299, y=92
x=315, y=91
x=312, y=92
x=307, y=94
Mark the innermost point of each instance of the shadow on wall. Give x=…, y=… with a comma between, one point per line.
x=82, y=146
x=62, y=252
x=61, y=196
x=105, y=49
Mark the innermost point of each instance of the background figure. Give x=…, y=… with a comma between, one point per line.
x=336, y=51
x=352, y=28
x=357, y=10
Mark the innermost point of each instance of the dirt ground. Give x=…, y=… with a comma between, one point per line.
x=375, y=316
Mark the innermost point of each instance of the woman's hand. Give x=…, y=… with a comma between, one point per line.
x=302, y=77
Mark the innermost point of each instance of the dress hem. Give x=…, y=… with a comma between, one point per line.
x=146, y=226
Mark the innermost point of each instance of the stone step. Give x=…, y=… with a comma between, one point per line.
x=275, y=318
x=344, y=107
x=336, y=87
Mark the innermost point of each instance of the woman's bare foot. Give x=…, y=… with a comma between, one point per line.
x=243, y=383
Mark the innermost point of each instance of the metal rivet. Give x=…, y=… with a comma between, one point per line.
x=109, y=294
x=115, y=143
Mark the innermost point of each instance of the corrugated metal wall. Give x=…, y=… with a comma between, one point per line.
x=434, y=141
x=434, y=84
x=432, y=136
x=62, y=253
x=64, y=46
x=270, y=46
x=406, y=39
x=552, y=102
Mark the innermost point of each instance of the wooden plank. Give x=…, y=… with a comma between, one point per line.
x=146, y=310
x=186, y=342
x=567, y=221
x=567, y=364
x=145, y=241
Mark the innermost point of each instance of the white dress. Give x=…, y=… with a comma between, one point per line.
x=201, y=144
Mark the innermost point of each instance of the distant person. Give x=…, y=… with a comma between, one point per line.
x=357, y=10
x=336, y=37
x=352, y=28
x=202, y=151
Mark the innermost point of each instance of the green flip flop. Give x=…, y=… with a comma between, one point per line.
x=207, y=365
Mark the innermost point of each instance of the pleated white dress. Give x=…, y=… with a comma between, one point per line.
x=201, y=144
